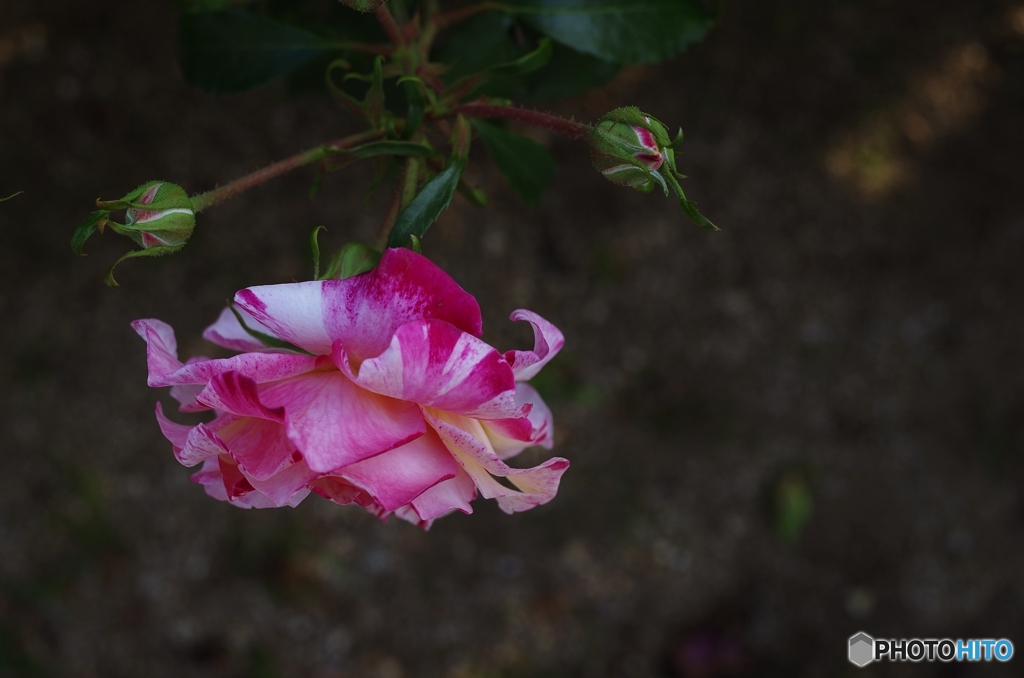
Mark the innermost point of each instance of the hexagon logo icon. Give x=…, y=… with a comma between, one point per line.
x=862, y=649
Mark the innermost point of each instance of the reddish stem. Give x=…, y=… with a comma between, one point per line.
x=390, y=27
x=570, y=128
x=230, y=190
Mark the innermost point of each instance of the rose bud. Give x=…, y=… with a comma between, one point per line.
x=629, y=147
x=159, y=216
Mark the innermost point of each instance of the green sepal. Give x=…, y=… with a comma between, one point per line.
x=169, y=196
x=633, y=116
x=266, y=339
x=151, y=252
x=339, y=95
x=314, y=246
x=415, y=244
x=352, y=259
x=94, y=222
x=690, y=207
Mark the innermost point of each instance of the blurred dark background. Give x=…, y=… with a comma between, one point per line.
x=807, y=425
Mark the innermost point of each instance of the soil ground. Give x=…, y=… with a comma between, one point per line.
x=849, y=343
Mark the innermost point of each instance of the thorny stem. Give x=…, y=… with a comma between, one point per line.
x=570, y=128
x=390, y=27
x=230, y=190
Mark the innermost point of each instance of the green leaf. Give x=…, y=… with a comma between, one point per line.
x=528, y=165
x=492, y=38
x=428, y=204
x=527, y=63
x=86, y=229
x=620, y=31
x=13, y=195
x=232, y=50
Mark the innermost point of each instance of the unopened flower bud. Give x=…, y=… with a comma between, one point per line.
x=363, y=5
x=629, y=148
x=159, y=216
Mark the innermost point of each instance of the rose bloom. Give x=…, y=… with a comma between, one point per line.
x=388, y=399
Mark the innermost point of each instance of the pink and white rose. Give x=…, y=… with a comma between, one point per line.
x=391, y=401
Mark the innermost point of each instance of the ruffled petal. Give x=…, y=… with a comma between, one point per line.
x=260, y=446
x=161, y=348
x=166, y=370
x=365, y=310
x=284, y=487
x=397, y=477
x=435, y=364
x=467, y=440
x=509, y=437
x=226, y=331
x=222, y=479
x=191, y=444
x=547, y=342
x=335, y=423
x=445, y=497
x=238, y=394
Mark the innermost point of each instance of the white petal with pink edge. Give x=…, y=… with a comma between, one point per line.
x=435, y=364
x=362, y=311
x=467, y=440
x=547, y=339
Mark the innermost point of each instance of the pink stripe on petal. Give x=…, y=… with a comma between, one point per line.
x=548, y=341
x=226, y=331
x=397, y=477
x=433, y=363
x=364, y=311
x=335, y=423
